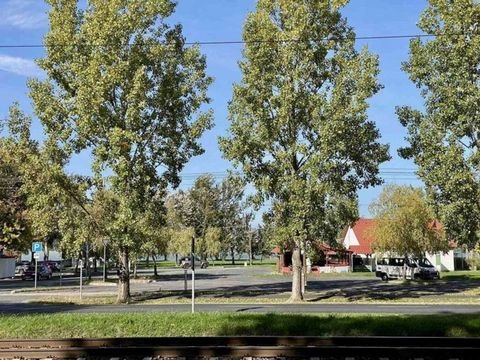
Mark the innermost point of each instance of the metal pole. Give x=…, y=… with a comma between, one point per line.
x=192, y=264
x=87, y=268
x=193, y=291
x=104, y=261
x=81, y=278
x=36, y=272
x=61, y=267
x=251, y=250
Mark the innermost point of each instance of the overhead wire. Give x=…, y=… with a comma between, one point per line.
x=243, y=42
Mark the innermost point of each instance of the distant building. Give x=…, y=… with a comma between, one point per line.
x=359, y=239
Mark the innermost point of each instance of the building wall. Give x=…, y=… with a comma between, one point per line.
x=350, y=239
x=443, y=262
x=52, y=256
x=7, y=267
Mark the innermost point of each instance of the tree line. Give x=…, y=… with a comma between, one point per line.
x=124, y=88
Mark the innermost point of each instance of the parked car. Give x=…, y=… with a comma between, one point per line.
x=21, y=265
x=185, y=262
x=53, y=265
x=43, y=272
x=410, y=268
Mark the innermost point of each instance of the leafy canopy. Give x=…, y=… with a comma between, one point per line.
x=299, y=125
x=404, y=223
x=444, y=137
x=122, y=86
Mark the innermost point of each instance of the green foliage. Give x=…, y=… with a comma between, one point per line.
x=444, y=137
x=15, y=227
x=181, y=240
x=128, y=90
x=234, y=221
x=403, y=223
x=214, y=213
x=299, y=125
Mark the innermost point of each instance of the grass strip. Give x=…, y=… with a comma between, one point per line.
x=461, y=275
x=222, y=324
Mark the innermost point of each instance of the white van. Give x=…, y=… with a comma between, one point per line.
x=413, y=268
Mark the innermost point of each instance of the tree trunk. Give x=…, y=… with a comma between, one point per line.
x=155, y=273
x=135, y=269
x=123, y=277
x=297, y=276
x=148, y=261
x=232, y=251
x=165, y=257
x=95, y=264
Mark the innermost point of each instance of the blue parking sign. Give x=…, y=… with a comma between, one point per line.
x=37, y=246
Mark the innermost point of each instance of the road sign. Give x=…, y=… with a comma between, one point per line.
x=36, y=255
x=37, y=246
x=80, y=263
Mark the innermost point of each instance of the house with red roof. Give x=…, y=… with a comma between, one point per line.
x=359, y=239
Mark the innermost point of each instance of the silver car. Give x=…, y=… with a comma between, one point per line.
x=185, y=262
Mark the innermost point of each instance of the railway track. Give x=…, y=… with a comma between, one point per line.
x=352, y=348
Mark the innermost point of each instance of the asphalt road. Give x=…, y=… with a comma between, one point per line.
x=31, y=308
x=258, y=283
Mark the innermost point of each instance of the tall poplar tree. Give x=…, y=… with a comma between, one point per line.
x=444, y=136
x=299, y=125
x=122, y=84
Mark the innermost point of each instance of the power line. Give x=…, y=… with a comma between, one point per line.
x=243, y=42
x=388, y=172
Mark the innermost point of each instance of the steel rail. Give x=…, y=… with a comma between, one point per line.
x=240, y=347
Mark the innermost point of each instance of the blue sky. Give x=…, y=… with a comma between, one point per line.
x=25, y=22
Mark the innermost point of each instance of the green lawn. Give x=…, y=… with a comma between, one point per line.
x=174, y=324
x=461, y=275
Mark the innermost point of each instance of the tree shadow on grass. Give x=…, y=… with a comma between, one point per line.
x=352, y=290
x=226, y=293
x=318, y=290
x=392, y=325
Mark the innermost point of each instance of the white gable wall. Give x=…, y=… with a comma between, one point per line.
x=350, y=239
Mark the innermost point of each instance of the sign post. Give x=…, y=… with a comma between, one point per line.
x=37, y=247
x=36, y=256
x=192, y=264
x=61, y=268
x=80, y=265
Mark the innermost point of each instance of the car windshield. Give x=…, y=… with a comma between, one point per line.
x=424, y=262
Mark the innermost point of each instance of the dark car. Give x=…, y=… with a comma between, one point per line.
x=22, y=265
x=43, y=272
x=54, y=266
x=185, y=262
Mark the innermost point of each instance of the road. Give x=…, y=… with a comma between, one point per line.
x=259, y=284
x=244, y=308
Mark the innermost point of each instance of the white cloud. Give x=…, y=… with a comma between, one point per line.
x=23, y=14
x=19, y=66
